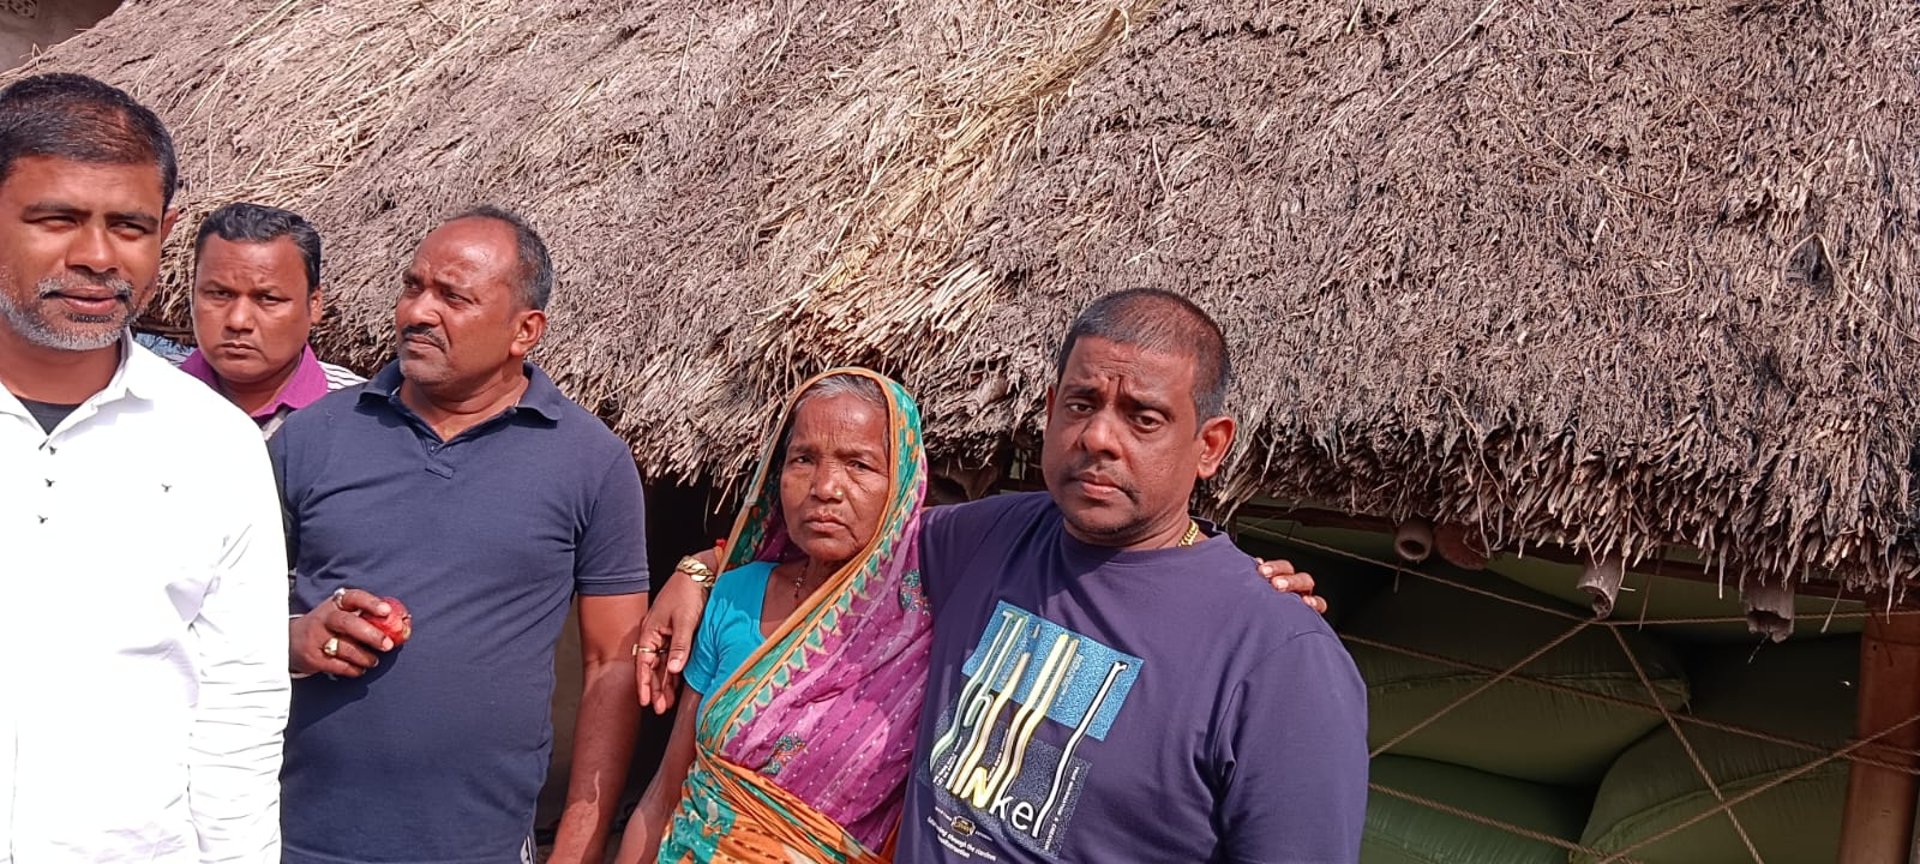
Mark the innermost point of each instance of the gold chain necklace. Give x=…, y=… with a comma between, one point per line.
x=1192, y=536
x=799, y=577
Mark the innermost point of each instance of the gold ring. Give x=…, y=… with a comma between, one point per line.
x=637, y=650
x=332, y=647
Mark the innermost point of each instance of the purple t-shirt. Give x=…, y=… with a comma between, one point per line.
x=1088, y=704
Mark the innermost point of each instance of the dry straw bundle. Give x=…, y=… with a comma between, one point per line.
x=1620, y=275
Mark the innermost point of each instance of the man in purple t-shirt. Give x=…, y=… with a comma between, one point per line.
x=1110, y=679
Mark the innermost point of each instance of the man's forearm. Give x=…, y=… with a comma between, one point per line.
x=603, y=743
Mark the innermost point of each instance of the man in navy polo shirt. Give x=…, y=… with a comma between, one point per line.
x=463, y=483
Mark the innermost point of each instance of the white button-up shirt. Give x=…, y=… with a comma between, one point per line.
x=143, y=628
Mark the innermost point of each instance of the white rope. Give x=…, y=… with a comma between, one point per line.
x=1790, y=776
x=1686, y=745
x=1482, y=688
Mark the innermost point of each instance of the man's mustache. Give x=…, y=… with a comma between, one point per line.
x=1106, y=474
x=424, y=332
x=67, y=282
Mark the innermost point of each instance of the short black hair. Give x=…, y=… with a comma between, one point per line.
x=536, y=266
x=80, y=119
x=246, y=222
x=1162, y=321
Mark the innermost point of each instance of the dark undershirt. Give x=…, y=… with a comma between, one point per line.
x=49, y=414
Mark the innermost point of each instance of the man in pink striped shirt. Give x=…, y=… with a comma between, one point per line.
x=256, y=296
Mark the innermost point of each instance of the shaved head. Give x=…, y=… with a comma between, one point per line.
x=1164, y=322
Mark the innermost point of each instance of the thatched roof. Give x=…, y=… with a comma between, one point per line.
x=1618, y=275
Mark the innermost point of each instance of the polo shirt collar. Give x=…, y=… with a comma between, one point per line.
x=543, y=397
x=304, y=387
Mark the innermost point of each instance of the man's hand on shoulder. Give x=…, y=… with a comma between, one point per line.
x=1285, y=579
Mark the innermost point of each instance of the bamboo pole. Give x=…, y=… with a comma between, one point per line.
x=1879, y=817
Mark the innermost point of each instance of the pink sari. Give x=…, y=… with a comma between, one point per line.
x=803, y=754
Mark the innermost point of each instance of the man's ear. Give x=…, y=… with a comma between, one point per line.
x=1216, y=438
x=316, y=303
x=527, y=333
x=1048, y=420
x=166, y=227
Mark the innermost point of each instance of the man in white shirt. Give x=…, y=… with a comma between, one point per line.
x=145, y=685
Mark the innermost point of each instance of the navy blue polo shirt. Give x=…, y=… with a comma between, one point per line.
x=438, y=754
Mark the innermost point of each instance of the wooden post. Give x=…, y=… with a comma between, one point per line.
x=1878, y=822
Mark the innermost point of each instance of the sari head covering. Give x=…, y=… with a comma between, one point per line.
x=803, y=754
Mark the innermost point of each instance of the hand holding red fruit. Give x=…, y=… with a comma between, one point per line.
x=397, y=623
x=341, y=637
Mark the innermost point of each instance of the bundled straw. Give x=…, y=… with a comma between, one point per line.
x=1617, y=275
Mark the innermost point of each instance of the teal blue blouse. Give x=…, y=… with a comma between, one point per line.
x=730, y=631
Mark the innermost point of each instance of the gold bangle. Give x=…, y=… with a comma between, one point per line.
x=700, y=573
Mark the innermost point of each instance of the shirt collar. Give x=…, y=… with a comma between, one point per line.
x=543, y=397
x=304, y=387
x=133, y=378
x=137, y=375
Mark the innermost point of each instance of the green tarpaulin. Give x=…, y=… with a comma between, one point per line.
x=1400, y=831
x=1511, y=728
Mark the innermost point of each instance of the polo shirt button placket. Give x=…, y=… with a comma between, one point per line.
x=437, y=464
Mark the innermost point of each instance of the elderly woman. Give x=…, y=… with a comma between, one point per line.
x=798, y=715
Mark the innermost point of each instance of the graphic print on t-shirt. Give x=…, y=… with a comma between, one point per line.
x=990, y=770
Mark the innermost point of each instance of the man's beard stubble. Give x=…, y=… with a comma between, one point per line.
x=92, y=332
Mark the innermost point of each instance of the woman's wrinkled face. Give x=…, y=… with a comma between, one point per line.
x=834, y=477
